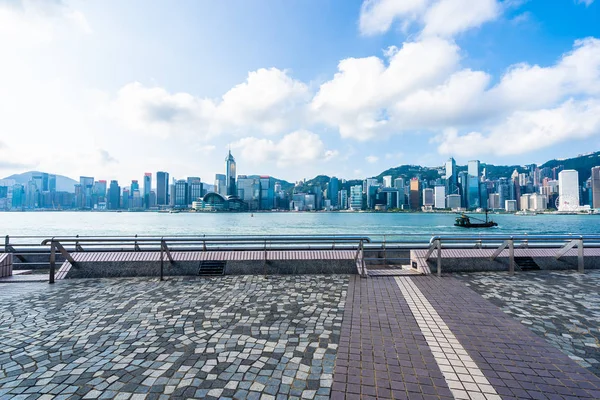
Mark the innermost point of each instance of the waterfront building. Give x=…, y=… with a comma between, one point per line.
x=524, y=202
x=152, y=199
x=451, y=177
x=172, y=194
x=428, y=199
x=147, y=188
x=310, y=202
x=180, y=193
x=18, y=196
x=440, y=196
x=415, y=194
x=136, y=199
x=134, y=185
x=568, y=190
x=474, y=168
x=510, y=205
x=162, y=188
x=333, y=190
x=194, y=189
x=267, y=193
x=125, y=199
x=52, y=183
x=538, y=202
x=453, y=201
x=595, y=178
x=221, y=184
x=387, y=181
x=493, y=201
x=114, y=196
x=230, y=172
x=343, y=199
x=85, y=195
x=356, y=198
x=463, y=188
x=249, y=191
x=297, y=203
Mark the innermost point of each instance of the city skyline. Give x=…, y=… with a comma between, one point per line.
x=299, y=88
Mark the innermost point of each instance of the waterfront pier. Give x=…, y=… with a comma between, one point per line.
x=397, y=333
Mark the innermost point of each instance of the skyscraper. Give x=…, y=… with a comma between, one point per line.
x=415, y=194
x=181, y=193
x=387, y=181
x=440, y=196
x=162, y=188
x=451, y=176
x=473, y=192
x=52, y=183
x=194, y=189
x=230, y=175
x=333, y=190
x=147, y=188
x=114, y=196
x=568, y=190
x=595, y=187
x=356, y=197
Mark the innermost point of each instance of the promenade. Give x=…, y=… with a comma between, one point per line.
x=465, y=336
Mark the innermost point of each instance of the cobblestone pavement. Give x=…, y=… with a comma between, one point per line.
x=562, y=307
x=243, y=337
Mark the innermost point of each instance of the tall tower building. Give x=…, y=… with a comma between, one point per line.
x=333, y=190
x=415, y=194
x=230, y=174
x=451, y=176
x=114, y=196
x=568, y=190
x=162, y=188
x=595, y=187
x=147, y=188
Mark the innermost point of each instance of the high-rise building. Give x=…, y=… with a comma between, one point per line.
x=343, y=199
x=451, y=176
x=114, y=196
x=162, y=188
x=249, y=191
x=230, y=175
x=415, y=194
x=440, y=196
x=194, y=189
x=333, y=190
x=267, y=193
x=134, y=185
x=85, y=197
x=147, y=188
x=510, y=205
x=181, y=194
x=568, y=190
x=52, y=183
x=387, y=181
x=595, y=187
x=428, y=197
x=453, y=201
x=356, y=199
x=221, y=184
x=125, y=199
x=474, y=168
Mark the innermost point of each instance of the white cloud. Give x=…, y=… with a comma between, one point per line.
x=586, y=2
x=356, y=100
x=526, y=131
x=435, y=17
x=450, y=17
x=268, y=102
x=377, y=16
x=294, y=149
x=371, y=159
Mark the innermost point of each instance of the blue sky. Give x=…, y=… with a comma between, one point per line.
x=349, y=88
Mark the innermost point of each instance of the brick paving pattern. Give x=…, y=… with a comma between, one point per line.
x=383, y=353
x=518, y=363
x=243, y=337
x=562, y=307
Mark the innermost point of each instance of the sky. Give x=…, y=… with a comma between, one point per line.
x=295, y=88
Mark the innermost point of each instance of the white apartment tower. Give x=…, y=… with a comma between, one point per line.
x=568, y=190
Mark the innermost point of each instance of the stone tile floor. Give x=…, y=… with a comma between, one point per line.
x=243, y=337
x=562, y=307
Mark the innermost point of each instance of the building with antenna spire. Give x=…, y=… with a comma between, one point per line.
x=230, y=173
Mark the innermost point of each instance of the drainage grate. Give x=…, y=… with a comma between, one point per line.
x=208, y=268
x=526, y=264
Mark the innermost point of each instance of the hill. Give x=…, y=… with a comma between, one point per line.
x=63, y=183
x=582, y=163
x=285, y=185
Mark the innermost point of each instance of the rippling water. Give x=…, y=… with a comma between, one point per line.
x=422, y=225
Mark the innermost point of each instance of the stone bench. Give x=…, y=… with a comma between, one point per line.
x=6, y=265
x=285, y=262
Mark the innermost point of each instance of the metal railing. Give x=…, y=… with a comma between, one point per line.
x=562, y=243
x=190, y=243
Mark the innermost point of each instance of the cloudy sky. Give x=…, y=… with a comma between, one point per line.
x=113, y=89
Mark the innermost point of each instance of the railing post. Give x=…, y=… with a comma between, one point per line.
x=511, y=256
x=580, y=256
x=52, y=261
x=384, y=252
x=6, y=244
x=362, y=259
x=161, y=259
x=439, y=258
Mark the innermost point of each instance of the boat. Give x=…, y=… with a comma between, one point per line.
x=526, y=213
x=464, y=221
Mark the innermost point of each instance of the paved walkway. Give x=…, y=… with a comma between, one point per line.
x=298, y=337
